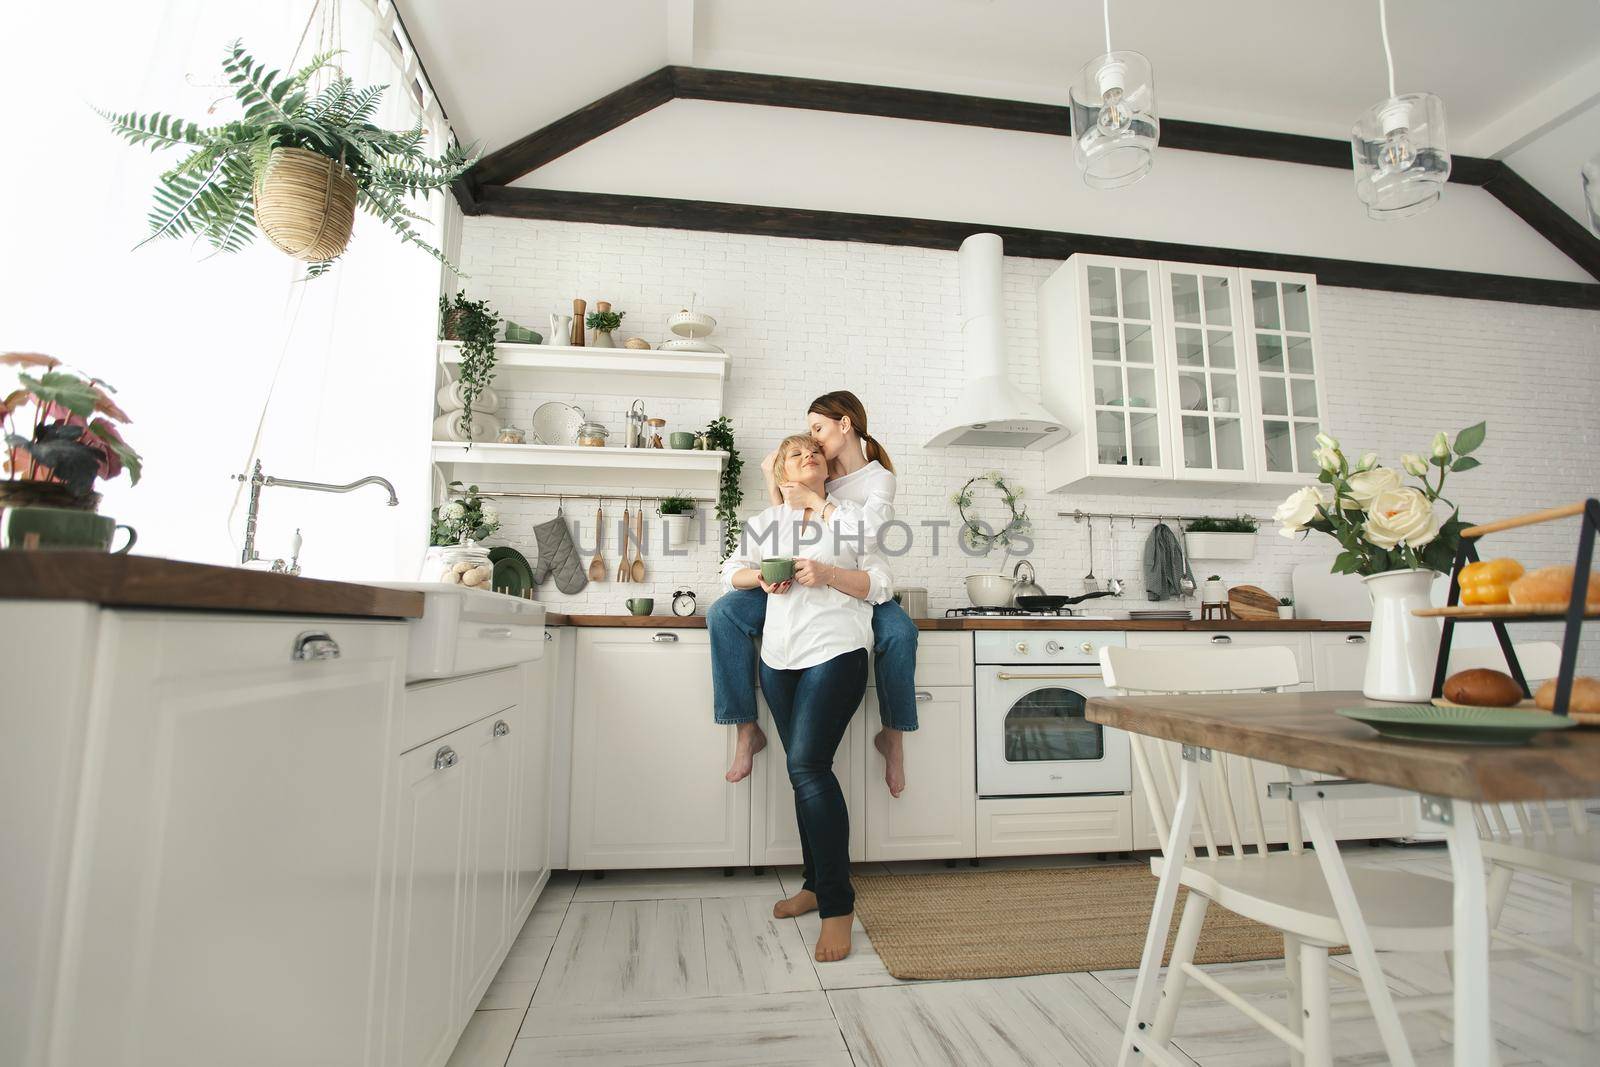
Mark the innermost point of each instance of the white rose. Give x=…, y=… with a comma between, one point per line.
x=1402, y=515
x=455, y=510
x=1326, y=458
x=1328, y=442
x=1415, y=465
x=1441, y=445
x=1367, y=486
x=1299, y=509
x=1368, y=461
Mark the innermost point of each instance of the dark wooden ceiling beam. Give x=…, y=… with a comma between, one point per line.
x=616, y=209
x=1538, y=211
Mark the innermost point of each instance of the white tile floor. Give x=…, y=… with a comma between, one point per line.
x=670, y=967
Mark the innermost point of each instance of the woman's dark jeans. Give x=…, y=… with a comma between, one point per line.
x=812, y=708
x=736, y=618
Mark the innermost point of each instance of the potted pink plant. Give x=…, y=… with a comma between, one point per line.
x=61, y=434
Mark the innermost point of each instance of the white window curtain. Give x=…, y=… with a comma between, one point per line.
x=196, y=342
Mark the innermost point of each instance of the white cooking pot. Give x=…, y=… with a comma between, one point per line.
x=990, y=590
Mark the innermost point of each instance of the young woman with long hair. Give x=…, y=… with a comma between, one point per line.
x=818, y=627
x=860, y=486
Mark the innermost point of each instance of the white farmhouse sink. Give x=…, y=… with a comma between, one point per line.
x=463, y=631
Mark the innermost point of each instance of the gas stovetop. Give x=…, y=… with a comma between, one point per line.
x=1017, y=613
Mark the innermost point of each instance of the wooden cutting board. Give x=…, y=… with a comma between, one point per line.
x=1252, y=602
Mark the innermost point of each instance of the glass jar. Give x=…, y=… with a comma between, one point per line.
x=511, y=435
x=441, y=564
x=592, y=434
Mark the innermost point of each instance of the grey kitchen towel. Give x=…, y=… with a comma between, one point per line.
x=558, y=556
x=1164, y=564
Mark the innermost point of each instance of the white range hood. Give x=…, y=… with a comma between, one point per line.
x=992, y=412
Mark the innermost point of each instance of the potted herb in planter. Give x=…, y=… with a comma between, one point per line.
x=1286, y=607
x=296, y=164
x=677, y=511
x=61, y=435
x=473, y=323
x=1233, y=538
x=1214, y=591
x=602, y=320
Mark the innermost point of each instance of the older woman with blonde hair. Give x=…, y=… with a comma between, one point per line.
x=813, y=672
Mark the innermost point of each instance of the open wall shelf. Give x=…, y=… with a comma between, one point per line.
x=578, y=465
x=603, y=371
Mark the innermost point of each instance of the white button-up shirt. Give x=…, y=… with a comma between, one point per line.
x=809, y=625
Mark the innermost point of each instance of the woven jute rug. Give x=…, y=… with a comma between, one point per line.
x=1004, y=924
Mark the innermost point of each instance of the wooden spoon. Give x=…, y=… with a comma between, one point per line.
x=622, y=565
x=638, y=562
x=597, y=565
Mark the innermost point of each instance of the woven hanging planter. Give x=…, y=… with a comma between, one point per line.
x=305, y=204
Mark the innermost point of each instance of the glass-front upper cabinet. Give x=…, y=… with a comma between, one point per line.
x=1102, y=366
x=1285, y=366
x=1208, y=390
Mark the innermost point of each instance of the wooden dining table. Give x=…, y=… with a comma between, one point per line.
x=1331, y=757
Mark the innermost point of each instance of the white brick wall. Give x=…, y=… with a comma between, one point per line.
x=802, y=317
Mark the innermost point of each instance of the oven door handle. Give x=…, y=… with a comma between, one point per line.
x=1007, y=676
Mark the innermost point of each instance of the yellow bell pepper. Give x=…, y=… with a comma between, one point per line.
x=1489, y=581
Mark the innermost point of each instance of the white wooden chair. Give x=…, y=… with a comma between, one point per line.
x=1554, y=841
x=1288, y=890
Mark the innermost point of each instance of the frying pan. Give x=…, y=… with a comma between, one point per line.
x=1055, y=603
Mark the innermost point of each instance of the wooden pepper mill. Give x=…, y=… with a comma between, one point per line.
x=577, y=322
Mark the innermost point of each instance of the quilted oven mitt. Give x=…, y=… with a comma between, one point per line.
x=558, y=556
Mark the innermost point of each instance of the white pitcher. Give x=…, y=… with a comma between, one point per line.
x=1402, y=649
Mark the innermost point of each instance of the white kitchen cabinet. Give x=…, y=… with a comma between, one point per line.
x=560, y=667
x=232, y=842
x=1038, y=826
x=1179, y=377
x=1285, y=359
x=774, y=832
x=491, y=775
x=934, y=817
x=647, y=759
x=430, y=901
x=1338, y=660
x=532, y=803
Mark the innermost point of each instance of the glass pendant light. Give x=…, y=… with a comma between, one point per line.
x=1398, y=147
x=1591, y=193
x=1114, y=123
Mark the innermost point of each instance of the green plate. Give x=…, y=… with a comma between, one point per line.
x=1461, y=725
x=511, y=571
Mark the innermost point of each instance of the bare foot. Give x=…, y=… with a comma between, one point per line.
x=891, y=743
x=834, y=942
x=751, y=741
x=799, y=904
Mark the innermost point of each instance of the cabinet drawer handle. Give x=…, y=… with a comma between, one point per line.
x=498, y=632
x=1222, y=639
x=445, y=758
x=923, y=696
x=1355, y=639
x=501, y=728
x=314, y=645
x=548, y=636
x=658, y=638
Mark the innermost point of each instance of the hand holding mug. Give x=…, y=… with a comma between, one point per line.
x=775, y=588
x=812, y=573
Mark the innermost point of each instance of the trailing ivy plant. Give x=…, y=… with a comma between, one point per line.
x=210, y=194
x=719, y=437
x=474, y=323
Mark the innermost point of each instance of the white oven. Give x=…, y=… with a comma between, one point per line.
x=1033, y=738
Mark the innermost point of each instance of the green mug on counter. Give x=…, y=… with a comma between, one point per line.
x=775, y=569
x=47, y=528
x=641, y=605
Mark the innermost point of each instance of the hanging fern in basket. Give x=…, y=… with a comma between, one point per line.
x=212, y=193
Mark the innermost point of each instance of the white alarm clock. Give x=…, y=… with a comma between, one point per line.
x=683, y=602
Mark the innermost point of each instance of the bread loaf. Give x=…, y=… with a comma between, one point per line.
x=1552, y=585
x=1482, y=688
x=1585, y=696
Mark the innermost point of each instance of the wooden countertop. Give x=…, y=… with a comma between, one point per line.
x=1302, y=730
x=151, y=582
x=667, y=622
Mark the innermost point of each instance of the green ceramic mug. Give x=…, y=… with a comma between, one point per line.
x=47, y=528
x=641, y=605
x=775, y=569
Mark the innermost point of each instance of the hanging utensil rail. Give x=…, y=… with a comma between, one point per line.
x=526, y=495
x=1135, y=517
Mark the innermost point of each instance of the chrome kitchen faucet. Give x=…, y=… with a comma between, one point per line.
x=257, y=480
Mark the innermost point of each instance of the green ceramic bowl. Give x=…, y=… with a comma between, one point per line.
x=1460, y=725
x=681, y=439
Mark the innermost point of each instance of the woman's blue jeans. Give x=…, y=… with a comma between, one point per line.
x=736, y=618
x=812, y=708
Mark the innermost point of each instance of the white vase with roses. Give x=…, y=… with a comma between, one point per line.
x=1399, y=538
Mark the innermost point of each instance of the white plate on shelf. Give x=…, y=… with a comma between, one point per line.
x=555, y=423
x=689, y=344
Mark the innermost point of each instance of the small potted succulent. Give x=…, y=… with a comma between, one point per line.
x=1286, y=607
x=677, y=512
x=1208, y=538
x=602, y=320
x=61, y=432
x=1215, y=591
